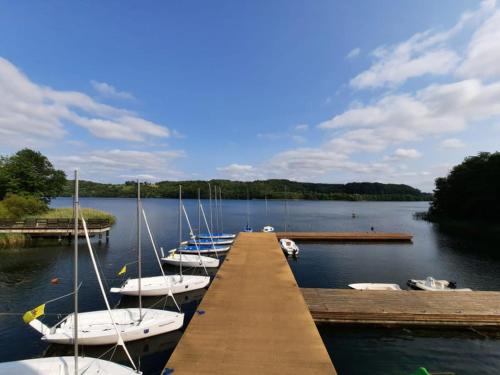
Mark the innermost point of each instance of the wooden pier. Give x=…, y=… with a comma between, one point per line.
x=346, y=236
x=404, y=308
x=53, y=227
x=253, y=319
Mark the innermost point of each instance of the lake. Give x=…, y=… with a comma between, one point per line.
x=25, y=276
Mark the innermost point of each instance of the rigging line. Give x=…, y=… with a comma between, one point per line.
x=192, y=236
x=209, y=231
x=170, y=293
x=91, y=252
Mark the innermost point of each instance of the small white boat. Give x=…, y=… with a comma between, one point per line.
x=431, y=284
x=374, y=286
x=96, y=327
x=190, y=260
x=65, y=366
x=289, y=247
x=268, y=229
x=162, y=285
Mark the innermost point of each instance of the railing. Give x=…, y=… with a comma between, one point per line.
x=53, y=224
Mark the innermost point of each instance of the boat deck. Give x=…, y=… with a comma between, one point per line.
x=346, y=236
x=346, y=306
x=253, y=319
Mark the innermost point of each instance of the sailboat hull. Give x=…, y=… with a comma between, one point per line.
x=161, y=285
x=64, y=366
x=208, y=241
x=192, y=249
x=191, y=260
x=217, y=236
x=96, y=328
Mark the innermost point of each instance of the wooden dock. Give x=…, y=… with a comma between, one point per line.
x=346, y=236
x=53, y=227
x=404, y=308
x=253, y=319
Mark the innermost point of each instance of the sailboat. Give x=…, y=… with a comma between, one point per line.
x=267, y=228
x=66, y=365
x=158, y=285
x=106, y=327
x=248, y=228
x=190, y=256
x=288, y=246
x=218, y=234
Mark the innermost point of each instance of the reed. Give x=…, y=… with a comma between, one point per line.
x=67, y=213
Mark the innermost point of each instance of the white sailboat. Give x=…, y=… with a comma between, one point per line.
x=67, y=365
x=164, y=284
x=110, y=326
x=177, y=257
x=267, y=228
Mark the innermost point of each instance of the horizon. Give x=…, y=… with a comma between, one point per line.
x=323, y=92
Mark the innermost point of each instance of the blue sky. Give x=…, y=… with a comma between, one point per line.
x=330, y=91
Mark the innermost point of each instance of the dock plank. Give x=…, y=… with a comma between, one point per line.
x=476, y=308
x=346, y=236
x=255, y=319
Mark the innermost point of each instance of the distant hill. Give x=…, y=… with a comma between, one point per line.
x=272, y=189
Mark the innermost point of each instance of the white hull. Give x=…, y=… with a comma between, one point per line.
x=374, y=286
x=210, y=250
x=268, y=229
x=191, y=260
x=64, y=366
x=289, y=247
x=217, y=236
x=161, y=285
x=216, y=242
x=96, y=328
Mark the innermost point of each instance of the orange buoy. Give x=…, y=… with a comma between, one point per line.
x=54, y=280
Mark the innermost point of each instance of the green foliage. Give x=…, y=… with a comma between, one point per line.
x=272, y=189
x=28, y=172
x=67, y=213
x=18, y=206
x=470, y=191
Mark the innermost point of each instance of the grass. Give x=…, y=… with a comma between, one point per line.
x=12, y=240
x=67, y=213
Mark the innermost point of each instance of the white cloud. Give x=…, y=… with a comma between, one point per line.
x=422, y=54
x=301, y=127
x=31, y=114
x=241, y=172
x=483, y=54
x=452, y=143
x=353, y=53
x=404, y=153
x=116, y=164
x=108, y=91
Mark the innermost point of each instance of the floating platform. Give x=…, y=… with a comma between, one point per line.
x=253, y=319
x=53, y=227
x=404, y=308
x=346, y=236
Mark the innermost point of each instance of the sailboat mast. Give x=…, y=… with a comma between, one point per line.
x=286, y=210
x=248, y=208
x=139, y=255
x=75, y=272
x=199, y=213
x=210, y=204
x=180, y=227
x=267, y=211
x=220, y=209
x=216, y=209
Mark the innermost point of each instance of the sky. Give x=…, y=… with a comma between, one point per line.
x=320, y=91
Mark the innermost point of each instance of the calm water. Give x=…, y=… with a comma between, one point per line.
x=25, y=276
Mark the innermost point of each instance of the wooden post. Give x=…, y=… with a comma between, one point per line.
x=107, y=236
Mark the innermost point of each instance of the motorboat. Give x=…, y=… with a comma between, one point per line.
x=65, y=365
x=289, y=247
x=268, y=229
x=431, y=284
x=374, y=286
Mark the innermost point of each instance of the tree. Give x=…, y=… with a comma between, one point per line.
x=470, y=191
x=29, y=172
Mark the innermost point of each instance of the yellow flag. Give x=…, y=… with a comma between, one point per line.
x=33, y=314
x=122, y=271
